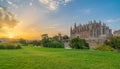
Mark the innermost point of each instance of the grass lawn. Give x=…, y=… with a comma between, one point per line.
x=49, y=58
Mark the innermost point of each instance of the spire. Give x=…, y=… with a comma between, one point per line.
x=104, y=24
x=70, y=30
x=80, y=24
x=75, y=25
x=100, y=22
x=91, y=22
x=94, y=21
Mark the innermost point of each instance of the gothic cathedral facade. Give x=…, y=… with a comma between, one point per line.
x=94, y=32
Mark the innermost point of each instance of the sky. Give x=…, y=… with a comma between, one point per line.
x=32, y=18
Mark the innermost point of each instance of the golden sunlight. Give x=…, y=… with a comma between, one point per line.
x=10, y=36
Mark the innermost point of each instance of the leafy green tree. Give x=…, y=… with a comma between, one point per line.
x=113, y=42
x=65, y=38
x=36, y=43
x=45, y=40
x=55, y=44
x=78, y=43
x=45, y=37
x=23, y=42
x=51, y=42
x=56, y=38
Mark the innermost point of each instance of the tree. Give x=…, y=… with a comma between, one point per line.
x=23, y=42
x=56, y=38
x=45, y=40
x=113, y=42
x=45, y=37
x=55, y=44
x=65, y=38
x=78, y=43
x=36, y=43
x=51, y=42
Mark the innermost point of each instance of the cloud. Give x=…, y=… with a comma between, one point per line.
x=109, y=20
x=9, y=2
x=7, y=19
x=54, y=4
x=30, y=3
x=112, y=20
x=49, y=4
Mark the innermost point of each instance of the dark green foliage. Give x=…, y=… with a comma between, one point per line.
x=35, y=43
x=50, y=42
x=45, y=40
x=78, y=43
x=55, y=44
x=113, y=42
x=61, y=38
x=56, y=38
x=104, y=47
x=9, y=46
x=23, y=42
x=65, y=38
x=45, y=37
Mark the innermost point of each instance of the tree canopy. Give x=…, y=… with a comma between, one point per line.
x=78, y=43
x=113, y=42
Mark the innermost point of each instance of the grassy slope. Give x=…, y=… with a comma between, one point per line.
x=48, y=58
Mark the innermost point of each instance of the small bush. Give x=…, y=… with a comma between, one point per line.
x=104, y=48
x=77, y=43
x=114, y=42
x=54, y=44
x=9, y=46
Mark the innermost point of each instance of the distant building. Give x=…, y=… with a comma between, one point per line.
x=94, y=32
x=116, y=33
x=7, y=40
x=4, y=40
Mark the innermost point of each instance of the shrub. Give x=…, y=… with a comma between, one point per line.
x=104, y=47
x=56, y=44
x=114, y=42
x=34, y=43
x=23, y=42
x=78, y=43
x=9, y=46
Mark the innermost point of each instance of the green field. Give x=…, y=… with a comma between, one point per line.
x=49, y=58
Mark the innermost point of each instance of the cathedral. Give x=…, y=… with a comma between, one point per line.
x=94, y=32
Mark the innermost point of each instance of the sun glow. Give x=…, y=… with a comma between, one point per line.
x=11, y=36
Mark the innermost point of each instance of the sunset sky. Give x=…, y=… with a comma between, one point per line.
x=36, y=17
